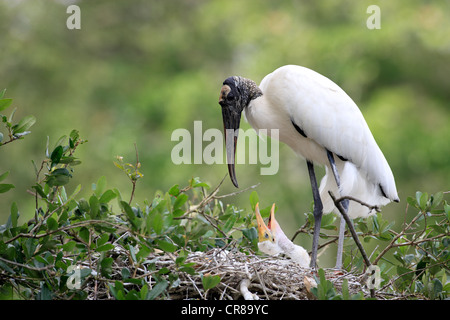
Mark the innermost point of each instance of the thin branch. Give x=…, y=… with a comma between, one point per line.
x=133, y=181
x=65, y=228
x=237, y=192
x=337, y=203
x=26, y=266
x=392, y=244
x=370, y=207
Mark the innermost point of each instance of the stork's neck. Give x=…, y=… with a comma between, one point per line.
x=297, y=253
x=284, y=243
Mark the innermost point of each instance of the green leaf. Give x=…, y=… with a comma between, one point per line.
x=125, y=273
x=325, y=288
x=24, y=124
x=251, y=234
x=69, y=246
x=105, y=247
x=85, y=234
x=328, y=222
x=128, y=210
x=56, y=155
x=4, y=176
x=143, y=252
x=157, y=223
x=418, y=195
x=106, y=266
x=5, y=103
x=144, y=291
x=95, y=206
x=2, y=93
x=254, y=199
x=52, y=224
x=60, y=141
x=210, y=282
x=345, y=292
x=29, y=247
x=14, y=214
x=58, y=177
x=69, y=160
x=188, y=269
x=45, y=293
x=11, y=116
x=102, y=239
x=117, y=290
x=195, y=183
x=5, y=187
x=436, y=288
x=181, y=199
x=132, y=253
x=411, y=201
x=159, y=288
x=73, y=137
x=174, y=191
x=405, y=275
x=436, y=199
x=422, y=200
x=40, y=191
x=100, y=186
x=75, y=192
x=166, y=246
x=229, y=224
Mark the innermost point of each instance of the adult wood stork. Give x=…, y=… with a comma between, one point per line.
x=273, y=241
x=322, y=124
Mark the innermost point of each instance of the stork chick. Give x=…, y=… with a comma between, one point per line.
x=273, y=241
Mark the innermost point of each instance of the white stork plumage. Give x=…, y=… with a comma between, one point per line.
x=273, y=241
x=322, y=124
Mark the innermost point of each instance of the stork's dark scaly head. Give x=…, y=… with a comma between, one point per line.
x=235, y=95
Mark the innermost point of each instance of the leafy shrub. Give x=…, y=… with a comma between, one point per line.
x=40, y=257
x=72, y=241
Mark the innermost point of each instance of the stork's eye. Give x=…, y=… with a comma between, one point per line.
x=266, y=235
x=230, y=96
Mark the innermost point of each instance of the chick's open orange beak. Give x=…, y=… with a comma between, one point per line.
x=264, y=232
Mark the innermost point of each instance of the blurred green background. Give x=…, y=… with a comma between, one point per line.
x=137, y=70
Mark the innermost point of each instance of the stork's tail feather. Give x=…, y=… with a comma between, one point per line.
x=355, y=184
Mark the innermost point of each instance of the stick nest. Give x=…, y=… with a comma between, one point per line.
x=242, y=276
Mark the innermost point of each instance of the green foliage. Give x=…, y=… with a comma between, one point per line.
x=14, y=131
x=418, y=264
x=73, y=240
x=325, y=289
x=210, y=282
x=38, y=258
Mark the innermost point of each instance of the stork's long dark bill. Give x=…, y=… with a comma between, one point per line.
x=231, y=121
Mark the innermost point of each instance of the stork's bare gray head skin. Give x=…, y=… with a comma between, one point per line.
x=207, y=147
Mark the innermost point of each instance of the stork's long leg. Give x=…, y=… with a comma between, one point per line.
x=345, y=204
x=318, y=208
